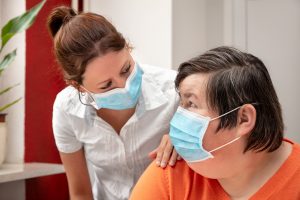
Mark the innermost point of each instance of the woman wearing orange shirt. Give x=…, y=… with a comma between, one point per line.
x=229, y=130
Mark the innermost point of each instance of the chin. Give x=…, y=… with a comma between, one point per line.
x=206, y=169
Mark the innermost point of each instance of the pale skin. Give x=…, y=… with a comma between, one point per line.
x=102, y=74
x=240, y=174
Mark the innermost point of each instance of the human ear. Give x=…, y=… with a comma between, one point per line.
x=246, y=119
x=128, y=47
x=75, y=84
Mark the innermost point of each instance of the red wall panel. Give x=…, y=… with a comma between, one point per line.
x=42, y=82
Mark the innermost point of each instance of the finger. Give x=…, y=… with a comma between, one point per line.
x=160, y=151
x=166, y=155
x=179, y=157
x=173, y=158
x=153, y=154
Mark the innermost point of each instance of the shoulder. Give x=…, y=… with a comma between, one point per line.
x=180, y=169
x=296, y=146
x=159, y=71
x=295, y=156
x=159, y=75
x=67, y=101
x=283, y=184
x=65, y=97
x=159, y=183
x=291, y=166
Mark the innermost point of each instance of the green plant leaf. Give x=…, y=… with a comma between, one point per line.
x=2, y=108
x=20, y=23
x=8, y=88
x=7, y=60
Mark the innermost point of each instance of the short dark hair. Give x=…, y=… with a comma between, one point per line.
x=78, y=38
x=237, y=78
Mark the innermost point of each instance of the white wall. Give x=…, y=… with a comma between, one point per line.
x=189, y=24
x=273, y=34
x=146, y=24
x=214, y=23
x=15, y=73
x=163, y=33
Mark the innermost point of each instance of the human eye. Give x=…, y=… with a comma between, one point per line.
x=126, y=70
x=190, y=104
x=107, y=85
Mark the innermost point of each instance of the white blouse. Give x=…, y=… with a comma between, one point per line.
x=116, y=161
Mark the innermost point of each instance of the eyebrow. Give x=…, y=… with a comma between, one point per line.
x=124, y=65
x=188, y=95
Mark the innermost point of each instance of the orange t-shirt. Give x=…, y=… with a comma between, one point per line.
x=182, y=183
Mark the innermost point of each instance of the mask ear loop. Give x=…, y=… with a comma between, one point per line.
x=226, y=113
x=83, y=94
x=235, y=138
x=79, y=96
x=220, y=147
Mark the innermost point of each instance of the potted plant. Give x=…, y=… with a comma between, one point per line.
x=12, y=27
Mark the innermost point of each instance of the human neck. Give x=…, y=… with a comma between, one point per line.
x=116, y=118
x=258, y=169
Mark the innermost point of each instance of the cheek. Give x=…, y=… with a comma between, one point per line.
x=121, y=82
x=225, y=160
x=211, y=137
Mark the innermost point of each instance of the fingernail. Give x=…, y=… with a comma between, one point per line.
x=163, y=164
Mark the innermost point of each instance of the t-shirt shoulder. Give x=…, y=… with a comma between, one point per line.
x=163, y=77
x=66, y=97
x=159, y=183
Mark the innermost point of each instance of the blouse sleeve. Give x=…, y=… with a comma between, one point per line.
x=64, y=135
x=153, y=184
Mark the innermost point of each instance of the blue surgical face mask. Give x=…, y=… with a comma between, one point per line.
x=120, y=98
x=187, y=130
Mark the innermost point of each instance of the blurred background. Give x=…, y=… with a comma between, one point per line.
x=163, y=33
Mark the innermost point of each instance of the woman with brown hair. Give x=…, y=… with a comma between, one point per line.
x=114, y=112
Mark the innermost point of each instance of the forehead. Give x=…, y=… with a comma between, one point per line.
x=195, y=84
x=109, y=61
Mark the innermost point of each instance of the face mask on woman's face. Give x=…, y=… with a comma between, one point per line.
x=187, y=131
x=120, y=98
